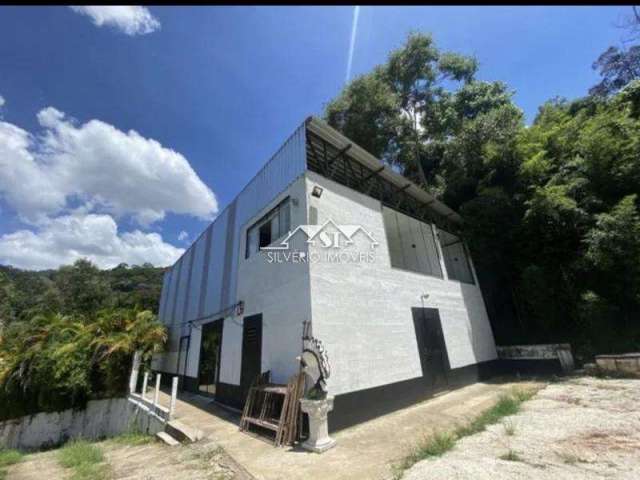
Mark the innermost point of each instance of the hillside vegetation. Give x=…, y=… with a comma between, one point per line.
x=68, y=335
x=550, y=209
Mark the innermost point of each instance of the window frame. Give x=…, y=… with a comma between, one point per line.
x=440, y=274
x=256, y=226
x=465, y=251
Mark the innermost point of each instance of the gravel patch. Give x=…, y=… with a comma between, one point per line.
x=587, y=428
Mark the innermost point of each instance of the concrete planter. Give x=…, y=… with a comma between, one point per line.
x=317, y=410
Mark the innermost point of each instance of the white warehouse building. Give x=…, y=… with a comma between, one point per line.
x=375, y=268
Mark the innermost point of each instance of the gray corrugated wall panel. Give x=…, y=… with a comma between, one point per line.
x=171, y=300
x=193, y=297
x=205, y=271
x=185, y=307
x=182, y=288
x=164, y=295
x=216, y=264
x=226, y=292
x=284, y=167
x=277, y=174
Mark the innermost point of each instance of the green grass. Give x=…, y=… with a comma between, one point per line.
x=441, y=442
x=8, y=457
x=85, y=459
x=133, y=439
x=507, y=405
x=511, y=456
x=432, y=446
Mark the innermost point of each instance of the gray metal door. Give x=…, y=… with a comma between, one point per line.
x=251, y=365
x=433, y=351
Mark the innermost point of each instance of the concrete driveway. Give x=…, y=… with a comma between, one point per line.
x=366, y=451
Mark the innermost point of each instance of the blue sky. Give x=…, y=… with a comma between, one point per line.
x=219, y=89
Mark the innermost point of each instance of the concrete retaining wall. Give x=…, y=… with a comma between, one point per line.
x=100, y=419
x=542, y=358
x=627, y=364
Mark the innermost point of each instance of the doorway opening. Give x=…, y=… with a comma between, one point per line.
x=210, y=347
x=251, y=352
x=433, y=351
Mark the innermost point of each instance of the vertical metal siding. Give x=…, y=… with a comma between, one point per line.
x=171, y=299
x=182, y=288
x=185, y=307
x=225, y=294
x=279, y=172
x=211, y=284
x=197, y=270
x=166, y=277
x=216, y=264
x=205, y=271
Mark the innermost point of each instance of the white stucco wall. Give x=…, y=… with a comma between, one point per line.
x=362, y=311
x=279, y=291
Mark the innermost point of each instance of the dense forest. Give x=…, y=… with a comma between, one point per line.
x=77, y=288
x=67, y=335
x=550, y=209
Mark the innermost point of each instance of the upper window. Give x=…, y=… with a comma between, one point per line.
x=269, y=228
x=412, y=244
x=455, y=257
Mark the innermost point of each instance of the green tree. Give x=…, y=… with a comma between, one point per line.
x=7, y=300
x=613, y=249
x=55, y=361
x=83, y=290
x=402, y=106
x=617, y=67
x=544, y=207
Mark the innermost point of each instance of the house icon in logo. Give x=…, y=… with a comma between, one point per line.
x=327, y=235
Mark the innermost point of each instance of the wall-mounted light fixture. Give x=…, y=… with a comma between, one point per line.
x=317, y=191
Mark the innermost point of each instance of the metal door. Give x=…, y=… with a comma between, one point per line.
x=251, y=352
x=431, y=347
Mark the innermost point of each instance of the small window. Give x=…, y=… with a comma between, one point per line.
x=265, y=234
x=269, y=228
x=411, y=244
x=455, y=257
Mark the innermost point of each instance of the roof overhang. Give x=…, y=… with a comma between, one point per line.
x=359, y=154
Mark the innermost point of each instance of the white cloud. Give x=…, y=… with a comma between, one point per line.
x=130, y=19
x=1, y=101
x=64, y=239
x=98, y=167
x=183, y=236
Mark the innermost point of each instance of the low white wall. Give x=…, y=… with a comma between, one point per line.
x=100, y=419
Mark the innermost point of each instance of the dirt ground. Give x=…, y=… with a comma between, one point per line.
x=152, y=461
x=582, y=428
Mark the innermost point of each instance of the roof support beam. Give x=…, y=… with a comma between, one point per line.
x=369, y=177
x=399, y=192
x=332, y=160
x=335, y=163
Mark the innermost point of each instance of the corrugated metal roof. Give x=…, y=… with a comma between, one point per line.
x=359, y=154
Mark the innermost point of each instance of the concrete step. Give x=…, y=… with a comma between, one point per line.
x=168, y=439
x=182, y=432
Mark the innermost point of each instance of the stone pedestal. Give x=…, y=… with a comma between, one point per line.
x=317, y=410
